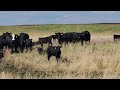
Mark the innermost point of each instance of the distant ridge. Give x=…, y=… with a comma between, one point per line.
x=57, y=24
x=64, y=24
x=106, y=23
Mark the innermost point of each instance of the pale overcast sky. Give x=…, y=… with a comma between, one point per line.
x=58, y=17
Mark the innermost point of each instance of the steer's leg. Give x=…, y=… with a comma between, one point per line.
x=85, y=42
x=42, y=45
x=22, y=49
x=51, y=43
x=81, y=42
x=58, y=58
x=31, y=48
x=16, y=49
x=89, y=41
x=48, y=58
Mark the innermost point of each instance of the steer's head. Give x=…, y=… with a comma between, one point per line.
x=58, y=48
x=22, y=42
x=58, y=35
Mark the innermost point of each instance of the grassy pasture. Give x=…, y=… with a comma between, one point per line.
x=100, y=59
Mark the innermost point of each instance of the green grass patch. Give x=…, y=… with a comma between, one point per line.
x=98, y=28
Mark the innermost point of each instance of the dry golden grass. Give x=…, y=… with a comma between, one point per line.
x=98, y=60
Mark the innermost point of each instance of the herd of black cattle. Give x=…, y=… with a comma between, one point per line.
x=18, y=43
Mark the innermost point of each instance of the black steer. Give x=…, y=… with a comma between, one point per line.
x=54, y=51
x=45, y=40
x=86, y=36
x=54, y=37
x=116, y=37
x=6, y=40
x=1, y=53
x=28, y=44
x=22, y=39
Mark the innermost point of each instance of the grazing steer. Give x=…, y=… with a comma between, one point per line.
x=28, y=44
x=116, y=37
x=45, y=40
x=54, y=51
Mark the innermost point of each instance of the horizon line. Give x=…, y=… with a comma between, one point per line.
x=56, y=24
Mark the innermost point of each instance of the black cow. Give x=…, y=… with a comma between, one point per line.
x=69, y=37
x=73, y=37
x=22, y=39
x=60, y=37
x=45, y=40
x=1, y=53
x=54, y=51
x=54, y=37
x=28, y=44
x=78, y=37
x=34, y=43
x=2, y=42
x=64, y=37
x=23, y=36
x=21, y=45
x=6, y=40
x=16, y=43
x=86, y=36
x=116, y=37
x=9, y=40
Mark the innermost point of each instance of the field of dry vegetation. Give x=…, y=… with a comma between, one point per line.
x=98, y=60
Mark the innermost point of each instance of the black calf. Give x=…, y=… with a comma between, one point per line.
x=116, y=37
x=1, y=53
x=54, y=51
x=28, y=44
x=45, y=40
